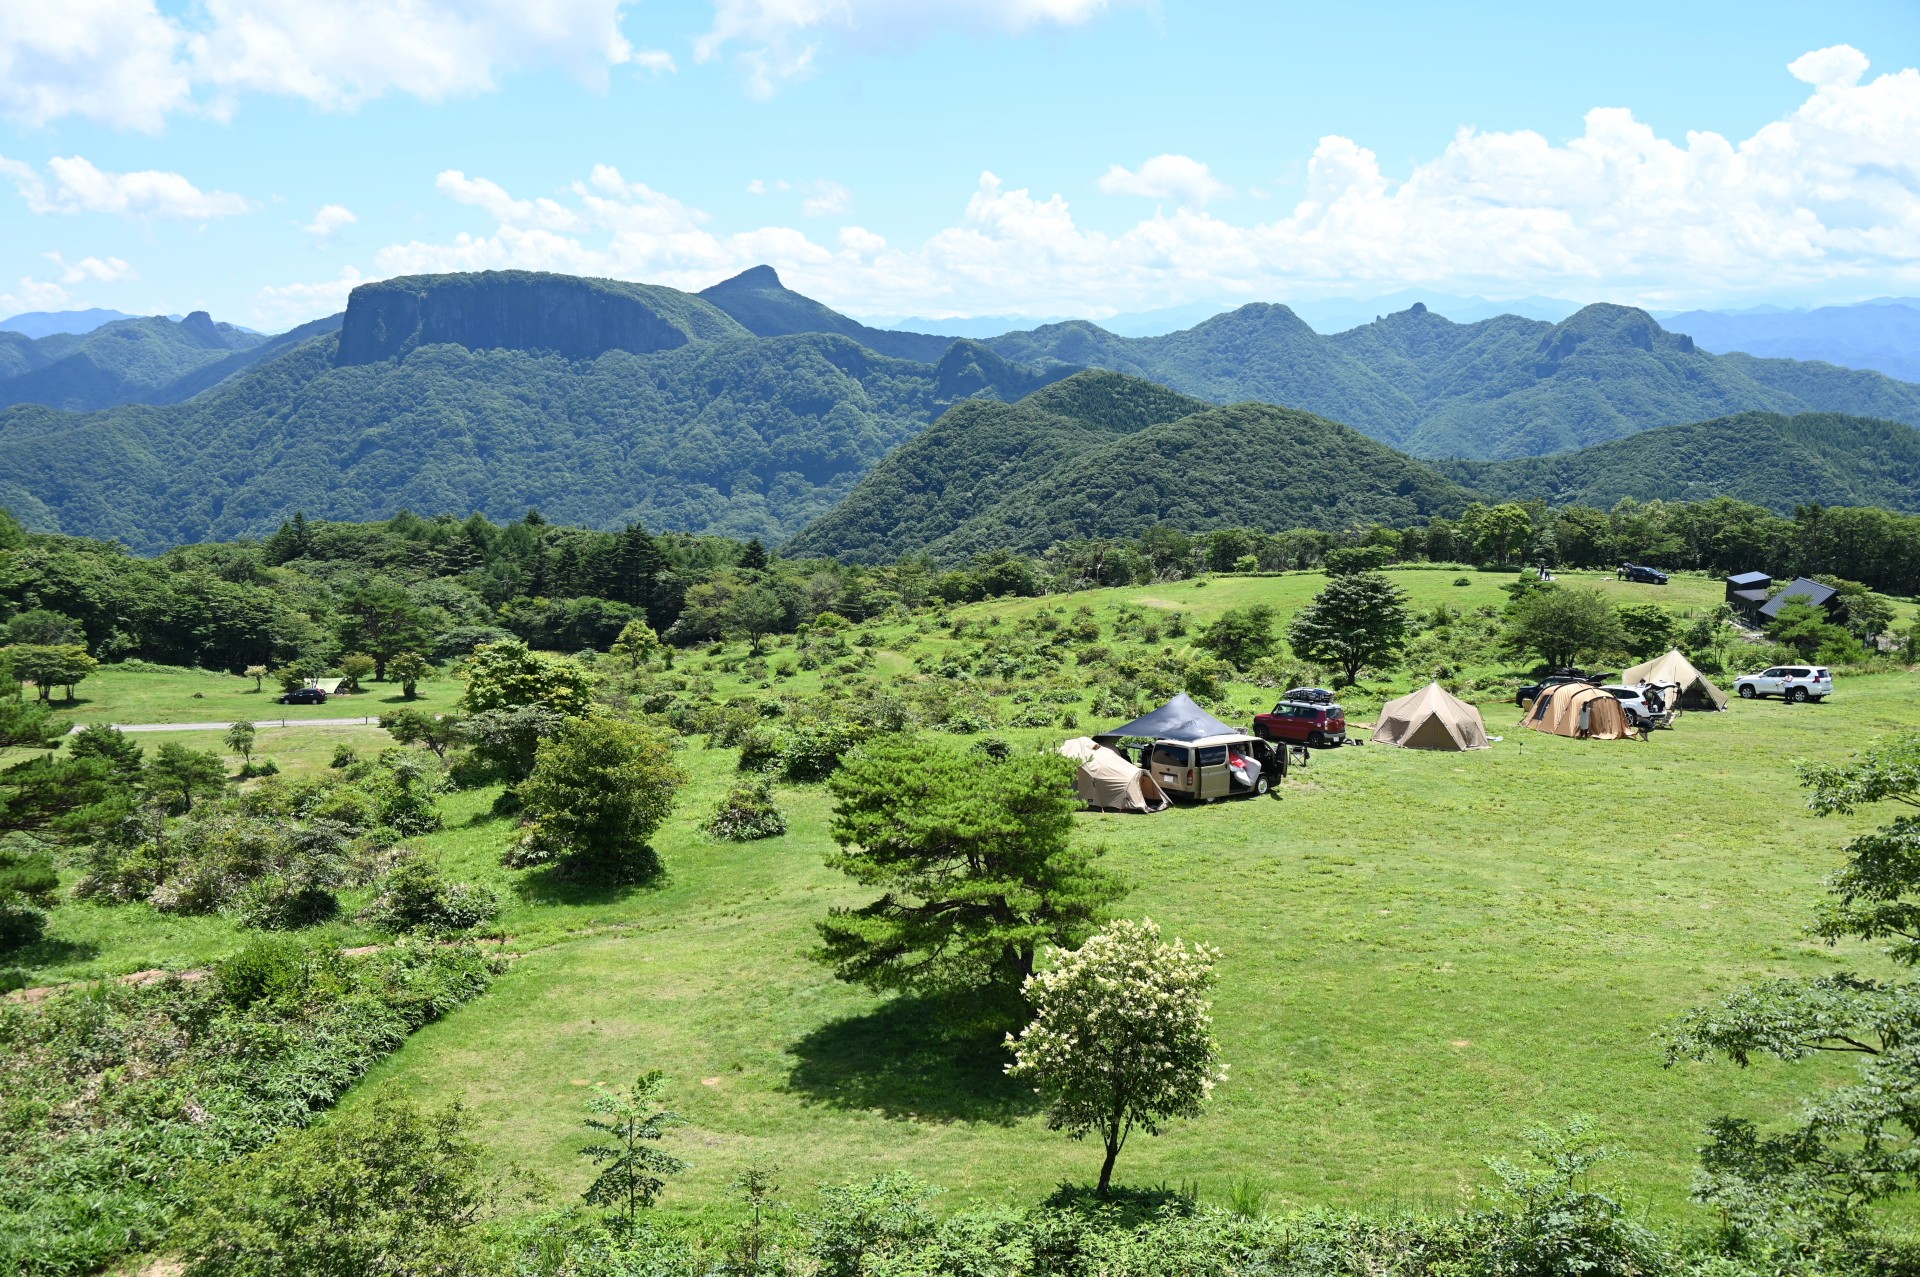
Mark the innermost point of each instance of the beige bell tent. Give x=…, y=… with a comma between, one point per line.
x=1107, y=780
x=1431, y=718
x=1576, y=709
x=1695, y=691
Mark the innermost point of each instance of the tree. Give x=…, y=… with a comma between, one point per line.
x=56, y=797
x=179, y=773
x=637, y=645
x=1563, y=625
x=1498, y=534
x=381, y=618
x=1121, y=1036
x=239, y=739
x=756, y=613
x=632, y=1170
x=1242, y=635
x=256, y=673
x=28, y=726
x=384, y=1187
x=51, y=666
x=754, y=557
x=409, y=669
x=1805, y=628
x=355, y=666
x=599, y=789
x=113, y=747
x=505, y=675
x=1647, y=629
x=40, y=627
x=1357, y=621
x=1854, y=1144
x=975, y=860
x=417, y=727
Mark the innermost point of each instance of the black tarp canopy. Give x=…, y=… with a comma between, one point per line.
x=1179, y=719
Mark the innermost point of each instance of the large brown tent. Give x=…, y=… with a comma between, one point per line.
x=1576, y=709
x=1695, y=691
x=1106, y=779
x=1431, y=718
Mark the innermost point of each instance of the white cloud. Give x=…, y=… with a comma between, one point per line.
x=828, y=199
x=123, y=62
x=291, y=304
x=113, y=61
x=1176, y=178
x=104, y=270
x=78, y=186
x=329, y=220
x=773, y=41
x=33, y=294
x=1822, y=198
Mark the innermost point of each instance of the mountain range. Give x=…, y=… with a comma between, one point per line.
x=753, y=410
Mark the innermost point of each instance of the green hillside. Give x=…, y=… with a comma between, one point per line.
x=1504, y=387
x=1766, y=458
x=1102, y=455
x=130, y=361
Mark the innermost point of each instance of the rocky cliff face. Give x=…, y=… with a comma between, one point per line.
x=513, y=310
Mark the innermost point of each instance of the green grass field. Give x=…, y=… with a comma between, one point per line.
x=1422, y=955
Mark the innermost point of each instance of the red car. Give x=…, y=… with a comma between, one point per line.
x=1303, y=723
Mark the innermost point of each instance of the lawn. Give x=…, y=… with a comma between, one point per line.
x=141, y=693
x=1422, y=954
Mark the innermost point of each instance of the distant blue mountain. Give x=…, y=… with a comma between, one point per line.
x=46, y=323
x=1880, y=336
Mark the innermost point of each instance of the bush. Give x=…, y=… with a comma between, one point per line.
x=748, y=812
x=276, y=902
x=814, y=751
x=1461, y=580
x=269, y=968
x=598, y=791
x=416, y=896
x=21, y=923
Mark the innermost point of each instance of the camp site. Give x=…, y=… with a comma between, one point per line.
x=1411, y=969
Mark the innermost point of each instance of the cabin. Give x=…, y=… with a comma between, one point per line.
x=1821, y=596
x=1747, y=594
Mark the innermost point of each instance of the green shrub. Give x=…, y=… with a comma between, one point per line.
x=748, y=812
x=416, y=896
x=268, y=969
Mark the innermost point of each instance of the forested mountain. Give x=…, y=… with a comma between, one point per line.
x=452, y=394
x=768, y=308
x=1771, y=460
x=130, y=361
x=1502, y=387
x=1105, y=455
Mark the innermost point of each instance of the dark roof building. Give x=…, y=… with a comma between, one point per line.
x=1747, y=593
x=1820, y=596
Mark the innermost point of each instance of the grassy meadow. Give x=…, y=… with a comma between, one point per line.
x=1422, y=953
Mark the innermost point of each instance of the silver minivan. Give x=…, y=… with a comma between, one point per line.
x=1788, y=682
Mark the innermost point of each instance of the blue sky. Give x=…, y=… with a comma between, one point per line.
x=953, y=157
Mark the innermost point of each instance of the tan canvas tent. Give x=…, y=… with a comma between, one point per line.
x=1695, y=691
x=1105, y=779
x=1431, y=718
x=1575, y=709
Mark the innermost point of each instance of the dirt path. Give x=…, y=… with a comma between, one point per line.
x=370, y=720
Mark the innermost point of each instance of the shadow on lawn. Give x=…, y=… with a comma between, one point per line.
x=914, y=1057
x=547, y=886
x=39, y=956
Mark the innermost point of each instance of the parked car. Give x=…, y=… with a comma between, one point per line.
x=1642, y=574
x=1217, y=767
x=1531, y=691
x=304, y=696
x=1638, y=704
x=1311, y=695
x=1788, y=682
x=1300, y=722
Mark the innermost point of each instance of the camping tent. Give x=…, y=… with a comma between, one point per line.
x=1431, y=718
x=1576, y=709
x=1105, y=779
x=1179, y=719
x=1695, y=691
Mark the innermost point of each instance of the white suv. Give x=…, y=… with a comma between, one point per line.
x=1633, y=703
x=1789, y=682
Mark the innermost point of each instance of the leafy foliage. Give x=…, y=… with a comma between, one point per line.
x=975, y=859
x=749, y=811
x=1563, y=625
x=599, y=789
x=630, y=1123
x=1122, y=1036
x=1359, y=620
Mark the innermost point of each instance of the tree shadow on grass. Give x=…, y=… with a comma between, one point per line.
x=39, y=956
x=547, y=885
x=937, y=1060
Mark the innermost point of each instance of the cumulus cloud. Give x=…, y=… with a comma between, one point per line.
x=290, y=304
x=828, y=199
x=1824, y=196
x=123, y=62
x=103, y=270
x=34, y=294
x=1175, y=178
x=77, y=185
x=113, y=61
x=774, y=41
x=329, y=220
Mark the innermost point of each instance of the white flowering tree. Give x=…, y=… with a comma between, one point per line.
x=1122, y=1036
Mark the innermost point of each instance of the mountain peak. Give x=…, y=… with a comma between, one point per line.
x=754, y=277
x=1604, y=325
